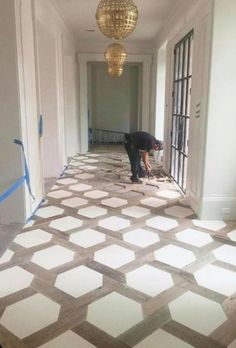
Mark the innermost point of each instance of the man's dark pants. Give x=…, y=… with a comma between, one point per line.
x=134, y=158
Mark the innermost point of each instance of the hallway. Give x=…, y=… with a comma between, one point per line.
x=109, y=264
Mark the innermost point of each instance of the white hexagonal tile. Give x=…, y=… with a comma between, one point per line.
x=114, y=202
x=92, y=212
x=162, y=223
x=76, y=164
x=114, y=256
x=14, y=279
x=178, y=211
x=69, y=336
x=54, y=187
x=28, y=316
x=90, y=160
x=30, y=223
x=74, y=202
x=149, y=280
x=194, y=237
x=141, y=237
x=59, y=194
x=80, y=157
x=88, y=167
x=175, y=256
x=87, y=238
x=232, y=235
x=135, y=211
x=212, y=225
x=80, y=187
x=52, y=257
x=66, y=223
x=171, y=194
x=226, y=253
x=67, y=181
x=114, y=223
x=217, y=279
x=164, y=339
x=208, y=315
x=153, y=202
x=33, y=238
x=6, y=256
x=85, y=176
x=107, y=314
x=96, y=194
x=79, y=281
x=48, y=212
x=72, y=171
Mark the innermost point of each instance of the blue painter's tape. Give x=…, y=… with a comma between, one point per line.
x=27, y=177
x=12, y=189
x=19, y=182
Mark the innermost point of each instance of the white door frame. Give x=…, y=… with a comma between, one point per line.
x=83, y=60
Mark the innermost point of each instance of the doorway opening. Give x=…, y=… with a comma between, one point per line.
x=181, y=96
x=113, y=104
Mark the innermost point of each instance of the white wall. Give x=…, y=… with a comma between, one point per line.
x=219, y=189
x=114, y=102
x=60, y=104
x=12, y=210
x=160, y=92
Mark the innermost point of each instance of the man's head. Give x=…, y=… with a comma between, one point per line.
x=158, y=145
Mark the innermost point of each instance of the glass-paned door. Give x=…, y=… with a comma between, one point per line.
x=181, y=94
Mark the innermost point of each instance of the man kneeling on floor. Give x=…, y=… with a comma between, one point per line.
x=134, y=142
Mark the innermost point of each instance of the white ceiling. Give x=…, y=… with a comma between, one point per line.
x=79, y=15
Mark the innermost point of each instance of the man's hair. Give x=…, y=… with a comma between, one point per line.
x=159, y=143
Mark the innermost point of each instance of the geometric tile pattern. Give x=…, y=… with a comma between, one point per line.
x=208, y=314
x=226, y=253
x=114, y=223
x=141, y=237
x=164, y=339
x=162, y=223
x=149, y=280
x=194, y=237
x=33, y=238
x=62, y=341
x=28, y=316
x=105, y=263
x=66, y=223
x=209, y=276
x=78, y=281
x=114, y=256
x=87, y=238
x=107, y=314
x=52, y=257
x=7, y=255
x=175, y=256
x=14, y=279
x=136, y=212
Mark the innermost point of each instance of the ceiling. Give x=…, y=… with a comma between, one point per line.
x=79, y=16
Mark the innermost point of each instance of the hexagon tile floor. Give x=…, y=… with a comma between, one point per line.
x=109, y=264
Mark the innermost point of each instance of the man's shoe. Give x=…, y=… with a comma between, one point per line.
x=135, y=180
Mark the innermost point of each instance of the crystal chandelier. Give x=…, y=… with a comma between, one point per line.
x=116, y=18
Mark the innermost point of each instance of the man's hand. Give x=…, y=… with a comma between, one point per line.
x=150, y=175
